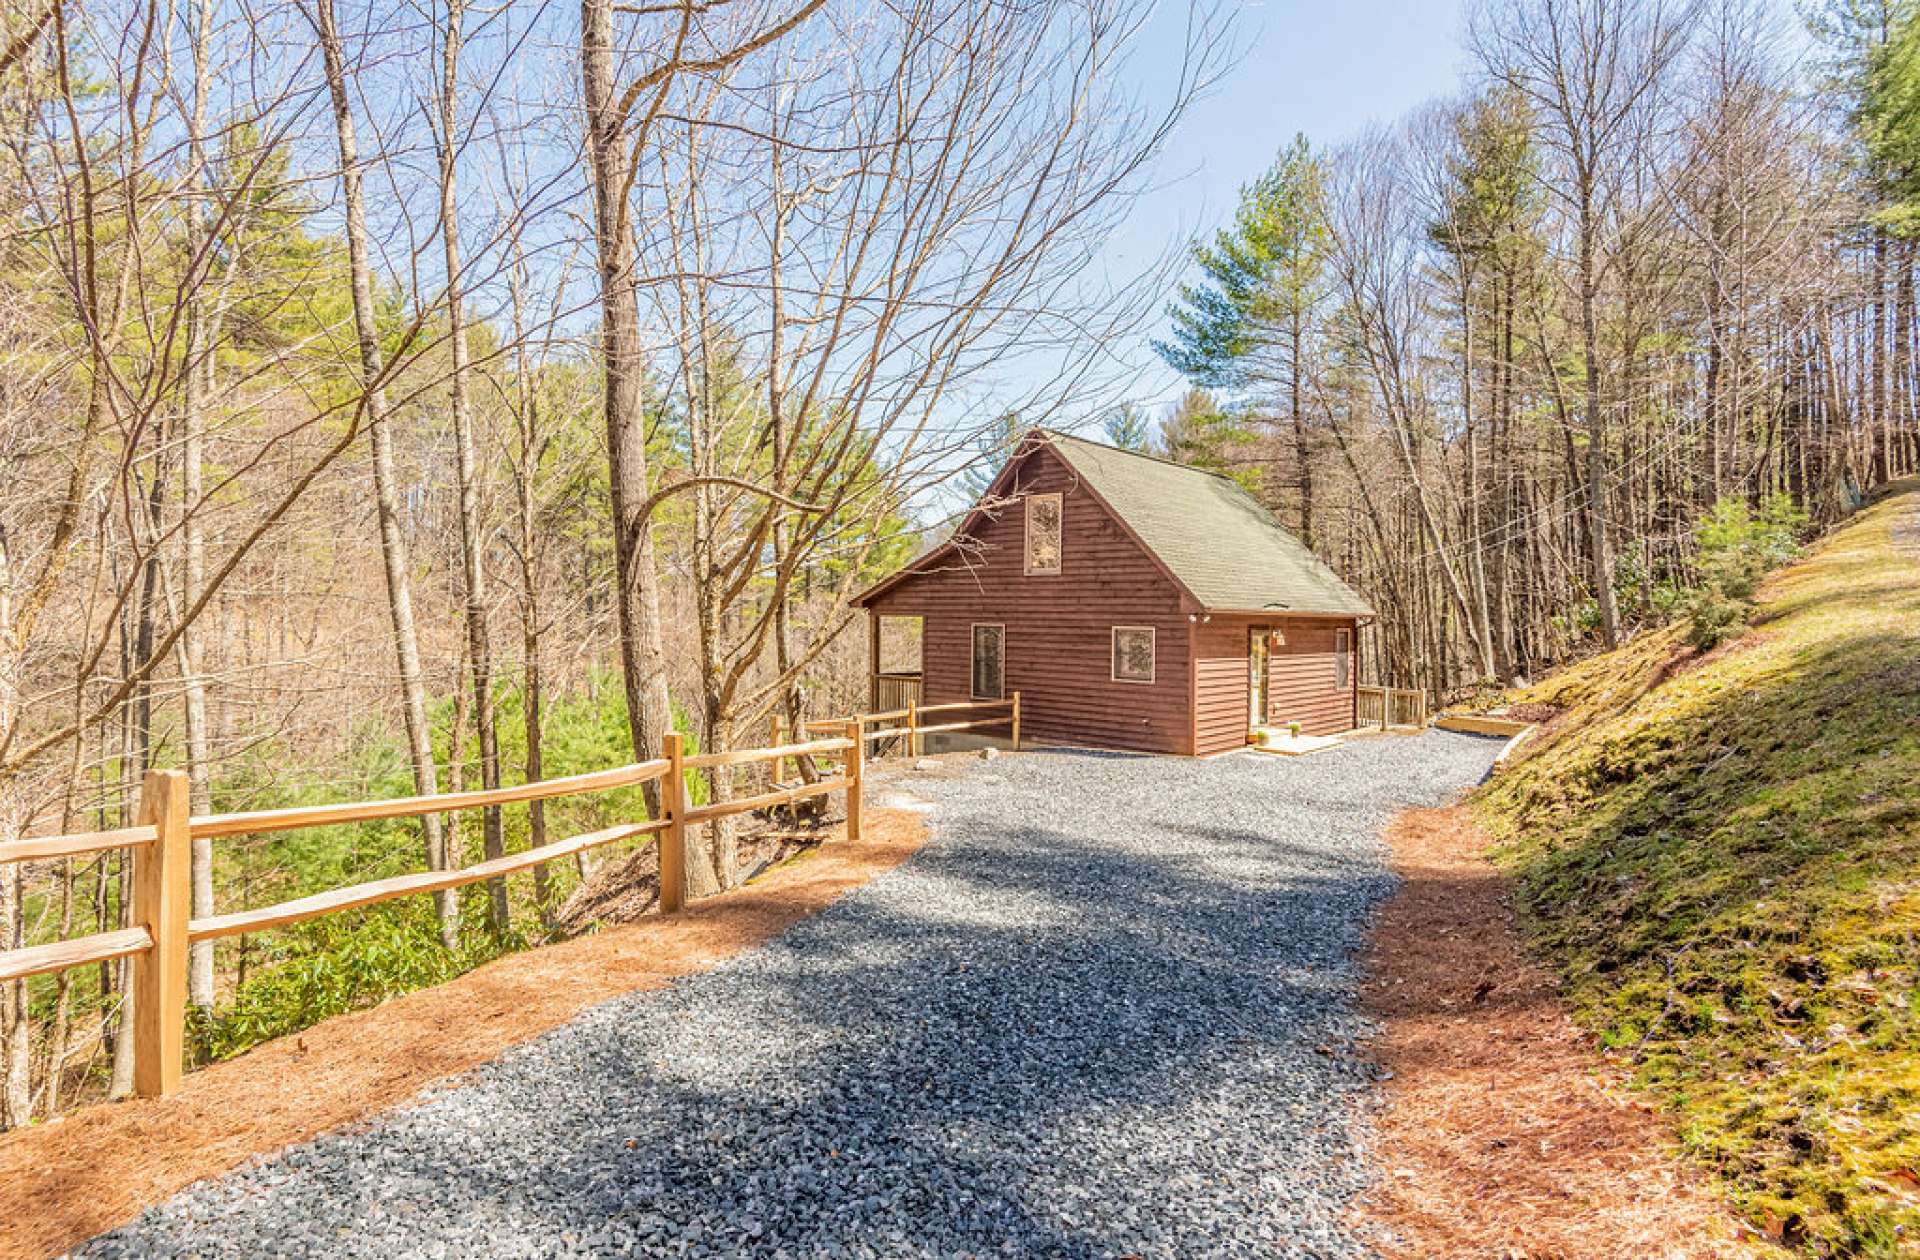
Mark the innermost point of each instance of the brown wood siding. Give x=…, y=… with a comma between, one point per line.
x=1220, y=692
x=1059, y=627
x=1221, y=710
x=1302, y=680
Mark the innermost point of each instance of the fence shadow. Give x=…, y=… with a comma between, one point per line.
x=1019, y=1024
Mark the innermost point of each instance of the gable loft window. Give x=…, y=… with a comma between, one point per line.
x=989, y=662
x=1133, y=654
x=1342, y=658
x=1043, y=534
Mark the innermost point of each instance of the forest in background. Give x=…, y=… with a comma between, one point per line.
x=1546, y=364
x=401, y=400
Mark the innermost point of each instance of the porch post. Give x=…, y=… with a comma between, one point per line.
x=873, y=659
x=1353, y=690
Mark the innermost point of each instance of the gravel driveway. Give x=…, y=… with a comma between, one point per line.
x=1106, y=1012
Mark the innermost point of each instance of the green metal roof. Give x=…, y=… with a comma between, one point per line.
x=1217, y=539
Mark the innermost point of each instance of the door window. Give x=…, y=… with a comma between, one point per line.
x=989, y=662
x=1257, y=676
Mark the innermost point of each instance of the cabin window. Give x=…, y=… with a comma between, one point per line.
x=1133, y=654
x=1342, y=658
x=1043, y=533
x=989, y=662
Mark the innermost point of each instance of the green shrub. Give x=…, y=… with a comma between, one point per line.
x=298, y=976
x=1644, y=591
x=1737, y=548
x=344, y=962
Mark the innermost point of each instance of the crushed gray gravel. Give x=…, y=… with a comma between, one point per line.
x=1106, y=1012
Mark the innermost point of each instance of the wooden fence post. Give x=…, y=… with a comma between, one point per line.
x=1016, y=721
x=857, y=773
x=162, y=905
x=673, y=841
x=913, y=729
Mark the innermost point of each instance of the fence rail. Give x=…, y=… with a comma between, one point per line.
x=261, y=821
x=36, y=960
x=911, y=728
x=161, y=843
x=1389, y=706
x=75, y=845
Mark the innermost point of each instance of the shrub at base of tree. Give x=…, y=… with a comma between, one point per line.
x=1737, y=548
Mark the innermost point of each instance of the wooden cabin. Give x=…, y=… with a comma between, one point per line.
x=1134, y=603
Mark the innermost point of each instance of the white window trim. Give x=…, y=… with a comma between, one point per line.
x=973, y=658
x=1113, y=649
x=1338, y=635
x=1026, y=551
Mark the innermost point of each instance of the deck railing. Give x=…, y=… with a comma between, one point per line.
x=162, y=842
x=1389, y=706
x=897, y=691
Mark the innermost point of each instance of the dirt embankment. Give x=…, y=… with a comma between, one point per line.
x=1498, y=1137
x=69, y=1180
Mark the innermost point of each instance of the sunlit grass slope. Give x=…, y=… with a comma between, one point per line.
x=1721, y=853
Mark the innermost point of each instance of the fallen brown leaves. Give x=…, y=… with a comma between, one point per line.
x=64, y=1182
x=1499, y=1137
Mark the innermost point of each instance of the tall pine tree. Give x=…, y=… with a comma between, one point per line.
x=1253, y=327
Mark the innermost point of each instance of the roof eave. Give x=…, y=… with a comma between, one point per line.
x=1026, y=445
x=865, y=598
x=1289, y=612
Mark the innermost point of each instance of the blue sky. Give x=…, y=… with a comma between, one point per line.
x=1324, y=68
x=1327, y=68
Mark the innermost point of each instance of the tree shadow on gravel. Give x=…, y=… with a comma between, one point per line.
x=1142, y=1058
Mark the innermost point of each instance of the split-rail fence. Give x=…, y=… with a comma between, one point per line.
x=161, y=843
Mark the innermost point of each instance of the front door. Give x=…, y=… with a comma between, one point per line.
x=1257, y=676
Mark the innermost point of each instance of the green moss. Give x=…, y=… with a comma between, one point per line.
x=1721, y=855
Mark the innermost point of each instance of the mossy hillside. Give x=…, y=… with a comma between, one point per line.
x=1721, y=854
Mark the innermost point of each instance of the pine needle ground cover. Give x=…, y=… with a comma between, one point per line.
x=1721, y=855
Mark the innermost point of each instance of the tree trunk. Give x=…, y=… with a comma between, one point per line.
x=642, y=652
x=15, y=1101
x=713, y=868
x=1503, y=636
x=393, y=541
x=16, y=1030
x=1598, y=540
x=1882, y=437
x=196, y=378
x=717, y=868
x=526, y=500
x=790, y=703
x=472, y=529
x=193, y=690
x=1296, y=407
x=60, y=1026
x=1476, y=553
x=1901, y=459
